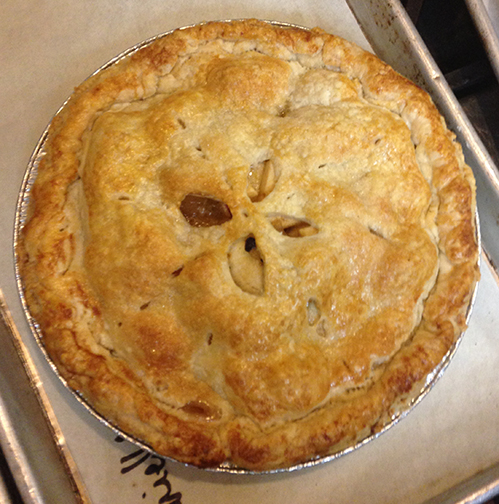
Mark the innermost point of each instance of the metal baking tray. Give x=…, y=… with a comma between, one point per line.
x=487, y=27
x=394, y=39
x=31, y=439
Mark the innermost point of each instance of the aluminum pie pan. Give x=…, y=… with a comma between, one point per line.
x=397, y=412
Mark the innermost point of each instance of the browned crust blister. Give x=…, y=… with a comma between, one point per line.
x=62, y=298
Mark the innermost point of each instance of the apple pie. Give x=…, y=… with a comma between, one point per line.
x=249, y=244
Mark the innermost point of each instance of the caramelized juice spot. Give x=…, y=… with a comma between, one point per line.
x=204, y=211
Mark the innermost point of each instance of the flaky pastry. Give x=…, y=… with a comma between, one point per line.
x=249, y=244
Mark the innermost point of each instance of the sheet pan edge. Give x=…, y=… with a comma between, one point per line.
x=28, y=397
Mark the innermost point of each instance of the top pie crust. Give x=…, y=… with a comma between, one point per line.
x=249, y=243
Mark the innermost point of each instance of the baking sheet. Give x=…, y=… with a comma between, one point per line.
x=48, y=47
x=32, y=443
x=485, y=15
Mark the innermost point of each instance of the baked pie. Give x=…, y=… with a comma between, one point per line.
x=249, y=244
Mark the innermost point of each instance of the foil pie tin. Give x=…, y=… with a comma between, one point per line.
x=397, y=412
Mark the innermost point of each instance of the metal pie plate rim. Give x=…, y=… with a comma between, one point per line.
x=417, y=394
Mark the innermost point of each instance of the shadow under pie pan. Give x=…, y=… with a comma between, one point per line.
x=317, y=391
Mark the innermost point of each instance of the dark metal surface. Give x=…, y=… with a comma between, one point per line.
x=486, y=29
x=451, y=35
x=9, y=493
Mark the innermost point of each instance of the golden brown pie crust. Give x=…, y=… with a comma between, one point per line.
x=249, y=243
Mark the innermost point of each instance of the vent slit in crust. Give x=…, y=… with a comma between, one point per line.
x=246, y=265
x=313, y=312
x=262, y=179
x=293, y=227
